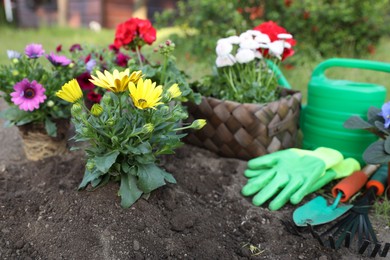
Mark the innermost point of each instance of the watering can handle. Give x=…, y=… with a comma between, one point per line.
x=281, y=79
x=319, y=71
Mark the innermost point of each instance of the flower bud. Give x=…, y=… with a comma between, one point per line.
x=198, y=124
x=96, y=110
x=114, y=140
x=174, y=91
x=71, y=65
x=90, y=165
x=50, y=103
x=76, y=110
x=15, y=60
x=110, y=122
x=106, y=99
x=15, y=73
x=147, y=128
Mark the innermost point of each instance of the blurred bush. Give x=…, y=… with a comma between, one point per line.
x=322, y=28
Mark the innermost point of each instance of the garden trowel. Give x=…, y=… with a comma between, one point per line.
x=317, y=211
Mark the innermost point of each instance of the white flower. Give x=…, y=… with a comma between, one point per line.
x=262, y=38
x=284, y=36
x=258, y=54
x=250, y=44
x=254, y=33
x=13, y=54
x=225, y=60
x=245, y=55
x=224, y=47
x=245, y=36
x=234, y=39
x=287, y=45
x=276, y=48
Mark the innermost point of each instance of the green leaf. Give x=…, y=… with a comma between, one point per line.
x=382, y=127
x=89, y=176
x=386, y=145
x=372, y=114
x=145, y=158
x=128, y=190
x=104, y=163
x=356, y=122
x=169, y=177
x=150, y=177
x=375, y=153
x=50, y=127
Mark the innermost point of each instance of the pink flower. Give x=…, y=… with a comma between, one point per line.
x=34, y=50
x=58, y=60
x=28, y=95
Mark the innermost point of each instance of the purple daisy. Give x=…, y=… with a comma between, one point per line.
x=34, y=50
x=385, y=113
x=58, y=60
x=28, y=95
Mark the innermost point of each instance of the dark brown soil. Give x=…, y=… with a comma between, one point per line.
x=203, y=216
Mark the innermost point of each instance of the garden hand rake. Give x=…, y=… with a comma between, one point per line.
x=356, y=223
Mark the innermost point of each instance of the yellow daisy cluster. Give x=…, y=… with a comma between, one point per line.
x=144, y=93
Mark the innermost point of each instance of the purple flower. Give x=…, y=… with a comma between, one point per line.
x=90, y=65
x=58, y=60
x=28, y=95
x=385, y=113
x=34, y=50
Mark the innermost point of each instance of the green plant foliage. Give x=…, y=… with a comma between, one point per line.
x=203, y=22
x=331, y=27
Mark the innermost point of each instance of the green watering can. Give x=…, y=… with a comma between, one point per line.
x=331, y=102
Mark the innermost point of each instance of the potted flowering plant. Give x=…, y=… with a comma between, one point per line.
x=29, y=85
x=136, y=122
x=249, y=105
x=378, y=123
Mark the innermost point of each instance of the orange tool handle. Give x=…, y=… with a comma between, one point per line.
x=379, y=180
x=353, y=183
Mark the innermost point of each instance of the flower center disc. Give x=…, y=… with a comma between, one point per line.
x=29, y=93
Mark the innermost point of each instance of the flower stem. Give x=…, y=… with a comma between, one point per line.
x=137, y=49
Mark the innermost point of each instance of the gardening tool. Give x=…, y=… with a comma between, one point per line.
x=317, y=211
x=357, y=223
x=331, y=102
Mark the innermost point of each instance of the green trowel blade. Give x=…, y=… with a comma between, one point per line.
x=317, y=212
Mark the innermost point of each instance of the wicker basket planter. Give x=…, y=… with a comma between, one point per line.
x=38, y=145
x=245, y=131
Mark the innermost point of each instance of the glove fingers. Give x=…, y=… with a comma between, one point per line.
x=285, y=194
x=254, y=173
x=257, y=183
x=261, y=162
x=321, y=182
x=303, y=190
x=270, y=189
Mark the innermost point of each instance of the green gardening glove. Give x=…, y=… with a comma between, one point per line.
x=291, y=172
x=341, y=170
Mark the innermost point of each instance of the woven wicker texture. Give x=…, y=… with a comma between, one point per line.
x=38, y=145
x=246, y=131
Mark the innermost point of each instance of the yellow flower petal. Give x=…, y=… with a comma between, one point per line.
x=70, y=91
x=145, y=94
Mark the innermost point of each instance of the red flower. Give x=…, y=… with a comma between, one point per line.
x=113, y=48
x=83, y=80
x=75, y=47
x=94, y=97
x=59, y=48
x=122, y=59
x=272, y=29
x=134, y=33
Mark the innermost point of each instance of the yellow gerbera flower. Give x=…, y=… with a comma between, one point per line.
x=117, y=81
x=145, y=94
x=174, y=91
x=70, y=91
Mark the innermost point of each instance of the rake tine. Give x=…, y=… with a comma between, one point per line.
x=347, y=240
x=371, y=230
x=385, y=250
x=315, y=235
x=331, y=242
x=364, y=246
x=376, y=250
